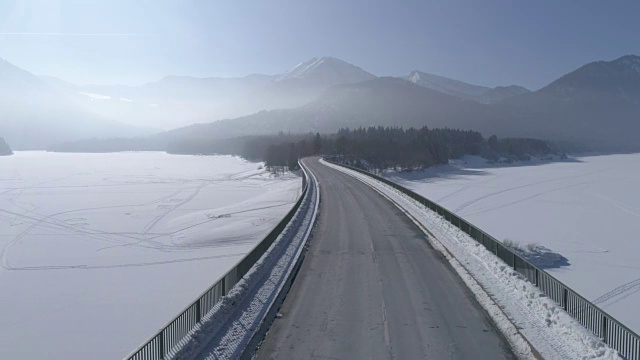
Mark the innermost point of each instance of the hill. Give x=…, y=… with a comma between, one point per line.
x=4, y=148
x=596, y=106
x=446, y=85
x=33, y=115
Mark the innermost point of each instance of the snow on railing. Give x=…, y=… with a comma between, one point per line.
x=606, y=327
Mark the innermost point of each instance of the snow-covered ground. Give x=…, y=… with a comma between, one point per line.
x=99, y=251
x=586, y=209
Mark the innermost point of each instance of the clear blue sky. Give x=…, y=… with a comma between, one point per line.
x=488, y=42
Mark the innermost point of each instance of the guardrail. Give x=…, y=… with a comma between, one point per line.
x=161, y=344
x=603, y=325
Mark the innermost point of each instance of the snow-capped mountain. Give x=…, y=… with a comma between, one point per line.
x=304, y=83
x=327, y=71
x=446, y=85
x=33, y=115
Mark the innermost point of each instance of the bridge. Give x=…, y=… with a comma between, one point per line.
x=350, y=273
x=372, y=287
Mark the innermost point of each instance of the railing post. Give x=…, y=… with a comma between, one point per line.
x=537, y=277
x=603, y=331
x=514, y=261
x=198, y=312
x=161, y=345
x=565, y=298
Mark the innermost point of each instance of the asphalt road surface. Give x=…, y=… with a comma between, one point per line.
x=371, y=287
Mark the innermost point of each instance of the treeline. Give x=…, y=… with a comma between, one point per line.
x=373, y=148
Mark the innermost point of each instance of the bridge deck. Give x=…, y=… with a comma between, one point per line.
x=371, y=287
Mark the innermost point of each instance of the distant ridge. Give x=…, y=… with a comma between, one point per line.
x=446, y=85
x=33, y=115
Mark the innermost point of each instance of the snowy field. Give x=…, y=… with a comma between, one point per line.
x=586, y=209
x=99, y=251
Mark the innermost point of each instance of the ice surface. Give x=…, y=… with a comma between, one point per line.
x=586, y=209
x=99, y=251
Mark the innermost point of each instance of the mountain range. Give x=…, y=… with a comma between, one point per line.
x=481, y=94
x=176, y=101
x=33, y=114
x=597, y=105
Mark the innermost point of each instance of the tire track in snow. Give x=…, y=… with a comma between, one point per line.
x=486, y=196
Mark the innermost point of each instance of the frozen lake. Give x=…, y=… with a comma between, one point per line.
x=587, y=209
x=99, y=251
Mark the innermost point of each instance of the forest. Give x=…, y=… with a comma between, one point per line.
x=374, y=148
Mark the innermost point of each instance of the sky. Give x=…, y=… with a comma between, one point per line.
x=489, y=42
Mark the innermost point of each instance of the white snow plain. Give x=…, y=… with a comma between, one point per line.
x=522, y=313
x=99, y=251
x=586, y=209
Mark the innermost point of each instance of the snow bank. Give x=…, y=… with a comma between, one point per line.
x=523, y=314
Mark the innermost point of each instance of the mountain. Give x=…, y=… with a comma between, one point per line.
x=481, y=94
x=33, y=115
x=4, y=148
x=326, y=71
x=305, y=82
x=382, y=101
x=177, y=101
x=171, y=102
x=445, y=85
x=597, y=105
x=500, y=93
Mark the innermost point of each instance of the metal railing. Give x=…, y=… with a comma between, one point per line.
x=611, y=331
x=161, y=344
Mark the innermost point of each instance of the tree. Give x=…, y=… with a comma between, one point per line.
x=317, y=144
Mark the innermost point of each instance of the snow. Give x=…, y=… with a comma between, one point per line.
x=585, y=209
x=99, y=251
x=522, y=313
x=300, y=70
x=96, y=96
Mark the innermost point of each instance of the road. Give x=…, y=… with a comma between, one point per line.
x=371, y=287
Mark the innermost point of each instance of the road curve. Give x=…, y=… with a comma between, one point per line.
x=371, y=287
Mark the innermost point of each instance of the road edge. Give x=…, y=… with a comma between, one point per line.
x=265, y=325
